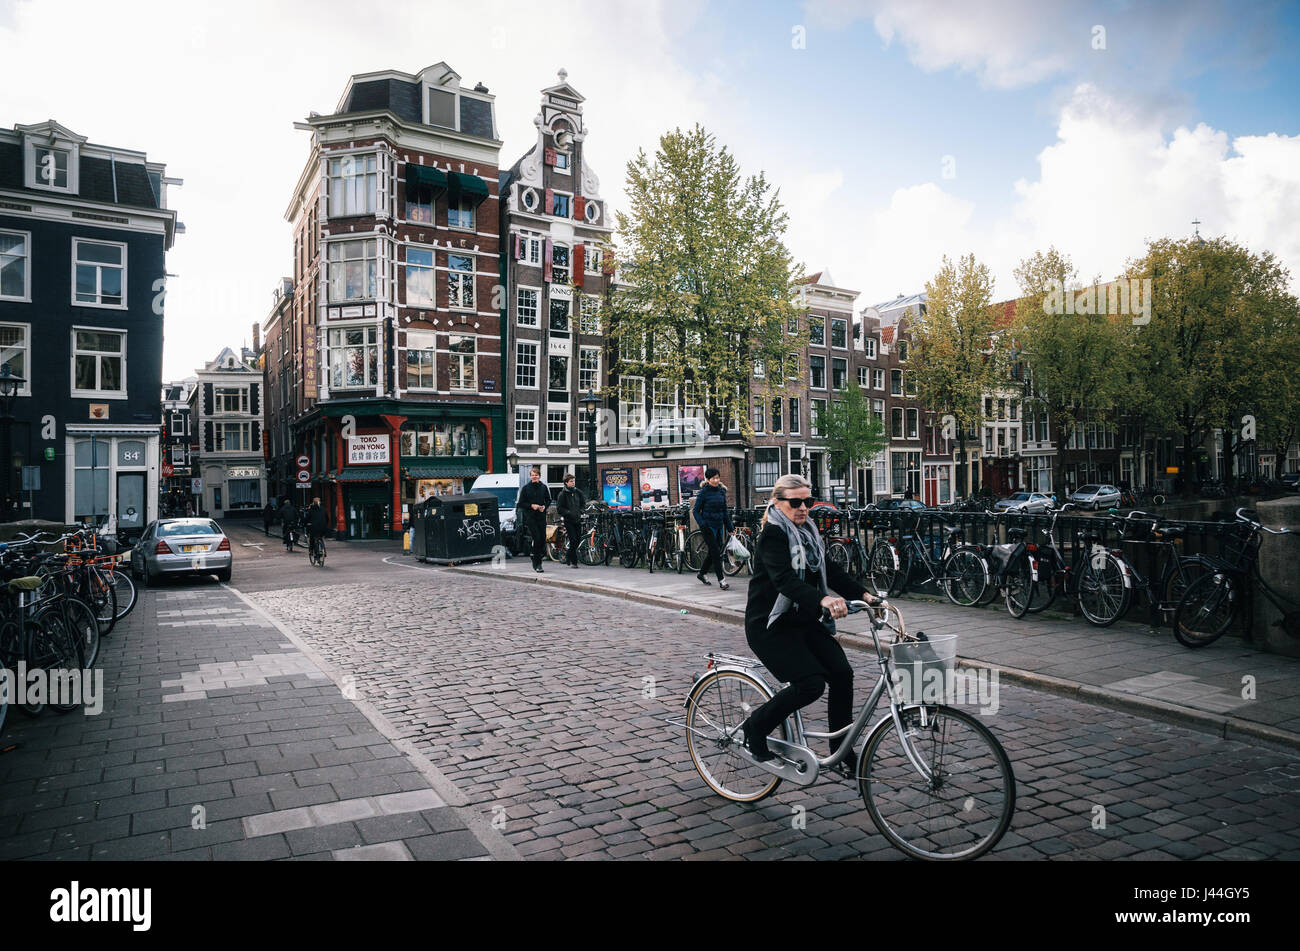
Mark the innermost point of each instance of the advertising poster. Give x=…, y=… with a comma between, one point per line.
x=689, y=480
x=618, y=488
x=424, y=488
x=654, y=487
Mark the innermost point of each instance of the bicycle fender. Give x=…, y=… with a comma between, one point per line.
x=1124, y=568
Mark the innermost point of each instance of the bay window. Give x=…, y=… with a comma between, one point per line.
x=353, y=183
x=353, y=357
x=352, y=270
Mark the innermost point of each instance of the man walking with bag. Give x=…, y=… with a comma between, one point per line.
x=569, y=504
x=533, y=501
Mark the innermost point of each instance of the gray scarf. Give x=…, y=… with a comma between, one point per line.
x=806, y=551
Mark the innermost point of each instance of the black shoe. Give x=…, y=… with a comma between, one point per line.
x=847, y=767
x=703, y=580
x=757, y=745
x=723, y=585
x=573, y=566
x=538, y=569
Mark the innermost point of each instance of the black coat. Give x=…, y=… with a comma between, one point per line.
x=569, y=503
x=710, y=508
x=288, y=514
x=774, y=574
x=534, y=493
x=317, y=521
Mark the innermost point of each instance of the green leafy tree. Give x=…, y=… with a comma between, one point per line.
x=853, y=434
x=1221, y=342
x=707, y=285
x=1076, y=362
x=956, y=357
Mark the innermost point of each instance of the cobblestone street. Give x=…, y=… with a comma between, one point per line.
x=546, y=709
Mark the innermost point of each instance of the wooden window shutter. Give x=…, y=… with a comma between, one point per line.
x=519, y=248
x=550, y=201
x=548, y=156
x=546, y=261
x=579, y=263
x=579, y=207
x=208, y=438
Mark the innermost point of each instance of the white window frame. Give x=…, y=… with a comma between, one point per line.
x=567, y=167
x=760, y=368
x=844, y=382
x=431, y=349
x=760, y=415
x=816, y=319
x=348, y=197
x=591, y=258
x=98, y=394
x=590, y=312
x=814, y=417
x=32, y=177
x=520, y=347
x=432, y=270
x=631, y=415
x=834, y=321
x=26, y=347
x=533, y=248
x=793, y=410
x=567, y=330
x=568, y=266
x=458, y=276
x=553, y=416
x=864, y=378
x=556, y=194
x=529, y=413
x=343, y=329
x=244, y=427
x=869, y=346
x=825, y=379
x=592, y=373
x=663, y=399
x=878, y=379
x=331, y=263
x=99, y=293
x=463, y=206
x=537, y=306
x=242, y=400
x=26, y=296
x=456, y=362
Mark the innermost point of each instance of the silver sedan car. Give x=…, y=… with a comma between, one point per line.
x=182, y=546
x=1096, y=496
x=1027, y=503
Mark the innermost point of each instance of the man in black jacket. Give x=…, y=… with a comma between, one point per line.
x=569, y=504
x=533, y=501
x=288, y=522
x=317, y=524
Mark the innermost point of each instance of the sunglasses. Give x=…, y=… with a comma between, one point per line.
x=799, y=503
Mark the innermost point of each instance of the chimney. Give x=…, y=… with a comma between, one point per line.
x=257, y=337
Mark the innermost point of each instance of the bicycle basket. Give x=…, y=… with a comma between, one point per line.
x=923, y=670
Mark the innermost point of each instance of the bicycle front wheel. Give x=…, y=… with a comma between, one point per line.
x=86, y=629
x=837, y=553
x=1103, y=596
x=56, y=649
x=719, y=703
x=126, y=591
x=731, y=565
x=1206, y=610
x=629, y=550
x=964, y=577
x=591, y=550
x=966, y=805
x=103, y=599
x=555, y=546
x=697, y=550
x=1020, y=590
x=883, y=568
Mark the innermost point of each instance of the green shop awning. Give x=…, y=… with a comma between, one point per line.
x=471, y=186
x=362, y=474
x=422, y=176
x=442, y=472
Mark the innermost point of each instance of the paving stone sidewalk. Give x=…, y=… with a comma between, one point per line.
x=1228, y=688
x=220, y=739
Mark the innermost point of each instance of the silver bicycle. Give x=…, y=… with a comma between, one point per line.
x=935, y=780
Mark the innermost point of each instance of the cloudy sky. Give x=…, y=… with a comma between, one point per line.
x=898, y=131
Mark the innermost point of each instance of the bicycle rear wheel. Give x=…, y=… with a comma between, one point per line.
x=1020, y=589
x=103, y=599
x=964, y=577
x=126, y=591
x=697, y=550
x=883, y=569
x=967, y=805
x=1206, y=610
x=56, y=649
x=591, y=550
x=1103, y=597
x=86, y=628
x=731, y=565
x=719, y=703
x=629, y=550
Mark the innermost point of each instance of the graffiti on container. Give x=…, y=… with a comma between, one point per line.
x=476, y=529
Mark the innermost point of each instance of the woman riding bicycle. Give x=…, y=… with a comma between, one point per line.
x=792, y=585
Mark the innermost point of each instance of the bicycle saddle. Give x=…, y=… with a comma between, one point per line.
x=28, y=583
x=1086, y=536
x=1016, y=533
x=1171, y=531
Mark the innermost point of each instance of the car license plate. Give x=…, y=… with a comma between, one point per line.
x=193, y=547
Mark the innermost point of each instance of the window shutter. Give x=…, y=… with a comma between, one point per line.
x=207, y=436
x=254, y=392
x=579, y=263
x=548, y=156
x=519, y=248
x=550, y=201
x=546, y=260
x=255, y=437
x=208, y=406
x=579, y=207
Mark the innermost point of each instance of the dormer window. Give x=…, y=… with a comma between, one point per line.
x=52, y=164
x=52, y=167
x=442, y=108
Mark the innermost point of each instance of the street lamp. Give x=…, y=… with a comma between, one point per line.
x=10, y=384
x=591, y=403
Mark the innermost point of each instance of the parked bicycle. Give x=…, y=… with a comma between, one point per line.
x=1095, y=579
x=935, y=781
x=1212, y=602
x=958, y=571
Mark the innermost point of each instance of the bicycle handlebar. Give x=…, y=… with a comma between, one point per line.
x=1254, y=524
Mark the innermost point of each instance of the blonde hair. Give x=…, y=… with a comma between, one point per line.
x=783, y=484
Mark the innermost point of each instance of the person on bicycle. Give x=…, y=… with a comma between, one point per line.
x=534, y=498
x=793, y=583
x=316, y=524
x=569, y=503
x=712, y=515
x=288, y=522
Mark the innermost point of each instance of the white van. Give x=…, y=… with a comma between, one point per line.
x=505, y=486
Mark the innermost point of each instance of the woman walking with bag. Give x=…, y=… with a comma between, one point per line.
x=712, y=515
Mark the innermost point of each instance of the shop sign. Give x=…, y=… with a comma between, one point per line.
x=368, y=448
x=247, y=472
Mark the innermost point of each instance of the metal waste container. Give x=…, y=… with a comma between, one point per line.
x=456, y=528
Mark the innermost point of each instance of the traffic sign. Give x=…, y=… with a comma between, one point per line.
x=304, y=476
x=304, y=462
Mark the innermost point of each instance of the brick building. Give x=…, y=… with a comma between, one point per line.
x=384, y=351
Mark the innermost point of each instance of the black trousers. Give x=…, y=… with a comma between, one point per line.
x=808, y=658
x=713, y=539
x=573, y=532
x=535, y=522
